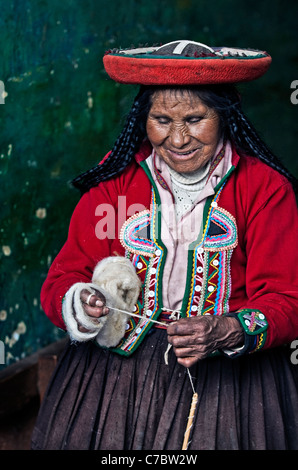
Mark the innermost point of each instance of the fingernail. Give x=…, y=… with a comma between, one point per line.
x=99, y=303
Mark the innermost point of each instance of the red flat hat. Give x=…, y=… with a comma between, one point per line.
x=185, y=63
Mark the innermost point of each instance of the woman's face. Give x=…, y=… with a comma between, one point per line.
x=183, y=131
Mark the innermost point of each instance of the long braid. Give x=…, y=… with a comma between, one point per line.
x=237, y=127
x=247, y=140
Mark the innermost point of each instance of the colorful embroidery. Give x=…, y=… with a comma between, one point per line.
x=221, y=231
x=253, y=321
x=145, y=260
x=224, y=283
x=131, y=234
x=139, y=262
x=149, y=307
x=259, y=343
x=208, y=284
x=161, y=180
x=217, y=160
x=211, y=279
x=255, y=326
x=196, y=282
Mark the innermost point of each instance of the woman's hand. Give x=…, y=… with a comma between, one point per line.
x=95, y=308
x=195, y=338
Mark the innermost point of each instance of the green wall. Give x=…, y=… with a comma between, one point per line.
x=62, y=114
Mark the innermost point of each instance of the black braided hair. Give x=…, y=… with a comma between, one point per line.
x=235, y=126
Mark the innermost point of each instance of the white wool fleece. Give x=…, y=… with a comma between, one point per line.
x=116, y=279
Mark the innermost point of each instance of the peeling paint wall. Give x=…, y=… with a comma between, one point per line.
x=61, y=115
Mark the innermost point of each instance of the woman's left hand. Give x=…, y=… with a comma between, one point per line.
x=195, y=338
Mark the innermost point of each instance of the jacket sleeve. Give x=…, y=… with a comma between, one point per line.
x=81, y=252
x=270, y=314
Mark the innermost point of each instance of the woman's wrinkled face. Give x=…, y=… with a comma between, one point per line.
x=183, y=131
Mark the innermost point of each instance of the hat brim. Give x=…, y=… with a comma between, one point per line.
x=146, y=69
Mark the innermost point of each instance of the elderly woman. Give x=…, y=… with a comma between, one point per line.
x=179, y=274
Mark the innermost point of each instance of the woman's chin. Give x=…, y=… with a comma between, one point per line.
x=185, y=165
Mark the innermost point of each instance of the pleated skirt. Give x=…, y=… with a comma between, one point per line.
x=99, y=400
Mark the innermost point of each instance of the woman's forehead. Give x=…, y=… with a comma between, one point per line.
x=170, y=98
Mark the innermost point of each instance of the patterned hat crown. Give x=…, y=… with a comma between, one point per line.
x=184, y=48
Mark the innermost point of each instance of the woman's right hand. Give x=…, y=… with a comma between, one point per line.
x=95, y=308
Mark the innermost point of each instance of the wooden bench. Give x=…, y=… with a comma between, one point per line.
x=22, y=387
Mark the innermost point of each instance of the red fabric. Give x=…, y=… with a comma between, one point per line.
x=263, y=266
x=157, y=71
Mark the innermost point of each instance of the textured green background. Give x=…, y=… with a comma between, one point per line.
x=62, y=114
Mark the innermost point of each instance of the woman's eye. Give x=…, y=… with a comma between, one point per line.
x=194, y=120
x=163, y=120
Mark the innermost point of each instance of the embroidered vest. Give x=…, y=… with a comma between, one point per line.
x=208, y=283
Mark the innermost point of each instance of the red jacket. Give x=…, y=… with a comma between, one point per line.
x=263, y=264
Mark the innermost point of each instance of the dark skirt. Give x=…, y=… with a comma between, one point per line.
x=101, y=400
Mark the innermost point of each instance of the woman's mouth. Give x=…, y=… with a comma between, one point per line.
x=182, y=155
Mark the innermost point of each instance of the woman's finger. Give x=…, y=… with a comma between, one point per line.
x=94, y=303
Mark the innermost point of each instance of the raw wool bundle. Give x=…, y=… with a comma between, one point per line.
x=116, y=279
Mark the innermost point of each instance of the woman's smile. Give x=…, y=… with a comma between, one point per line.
x=183, y=131
x=182, y=155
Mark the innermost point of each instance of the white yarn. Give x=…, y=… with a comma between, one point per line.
x=116, y=279
x=72, y=310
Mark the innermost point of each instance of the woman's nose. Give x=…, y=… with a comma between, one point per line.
x=179, y=137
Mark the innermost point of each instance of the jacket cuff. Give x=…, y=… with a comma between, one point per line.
x=74, y=315
x=254, y=326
